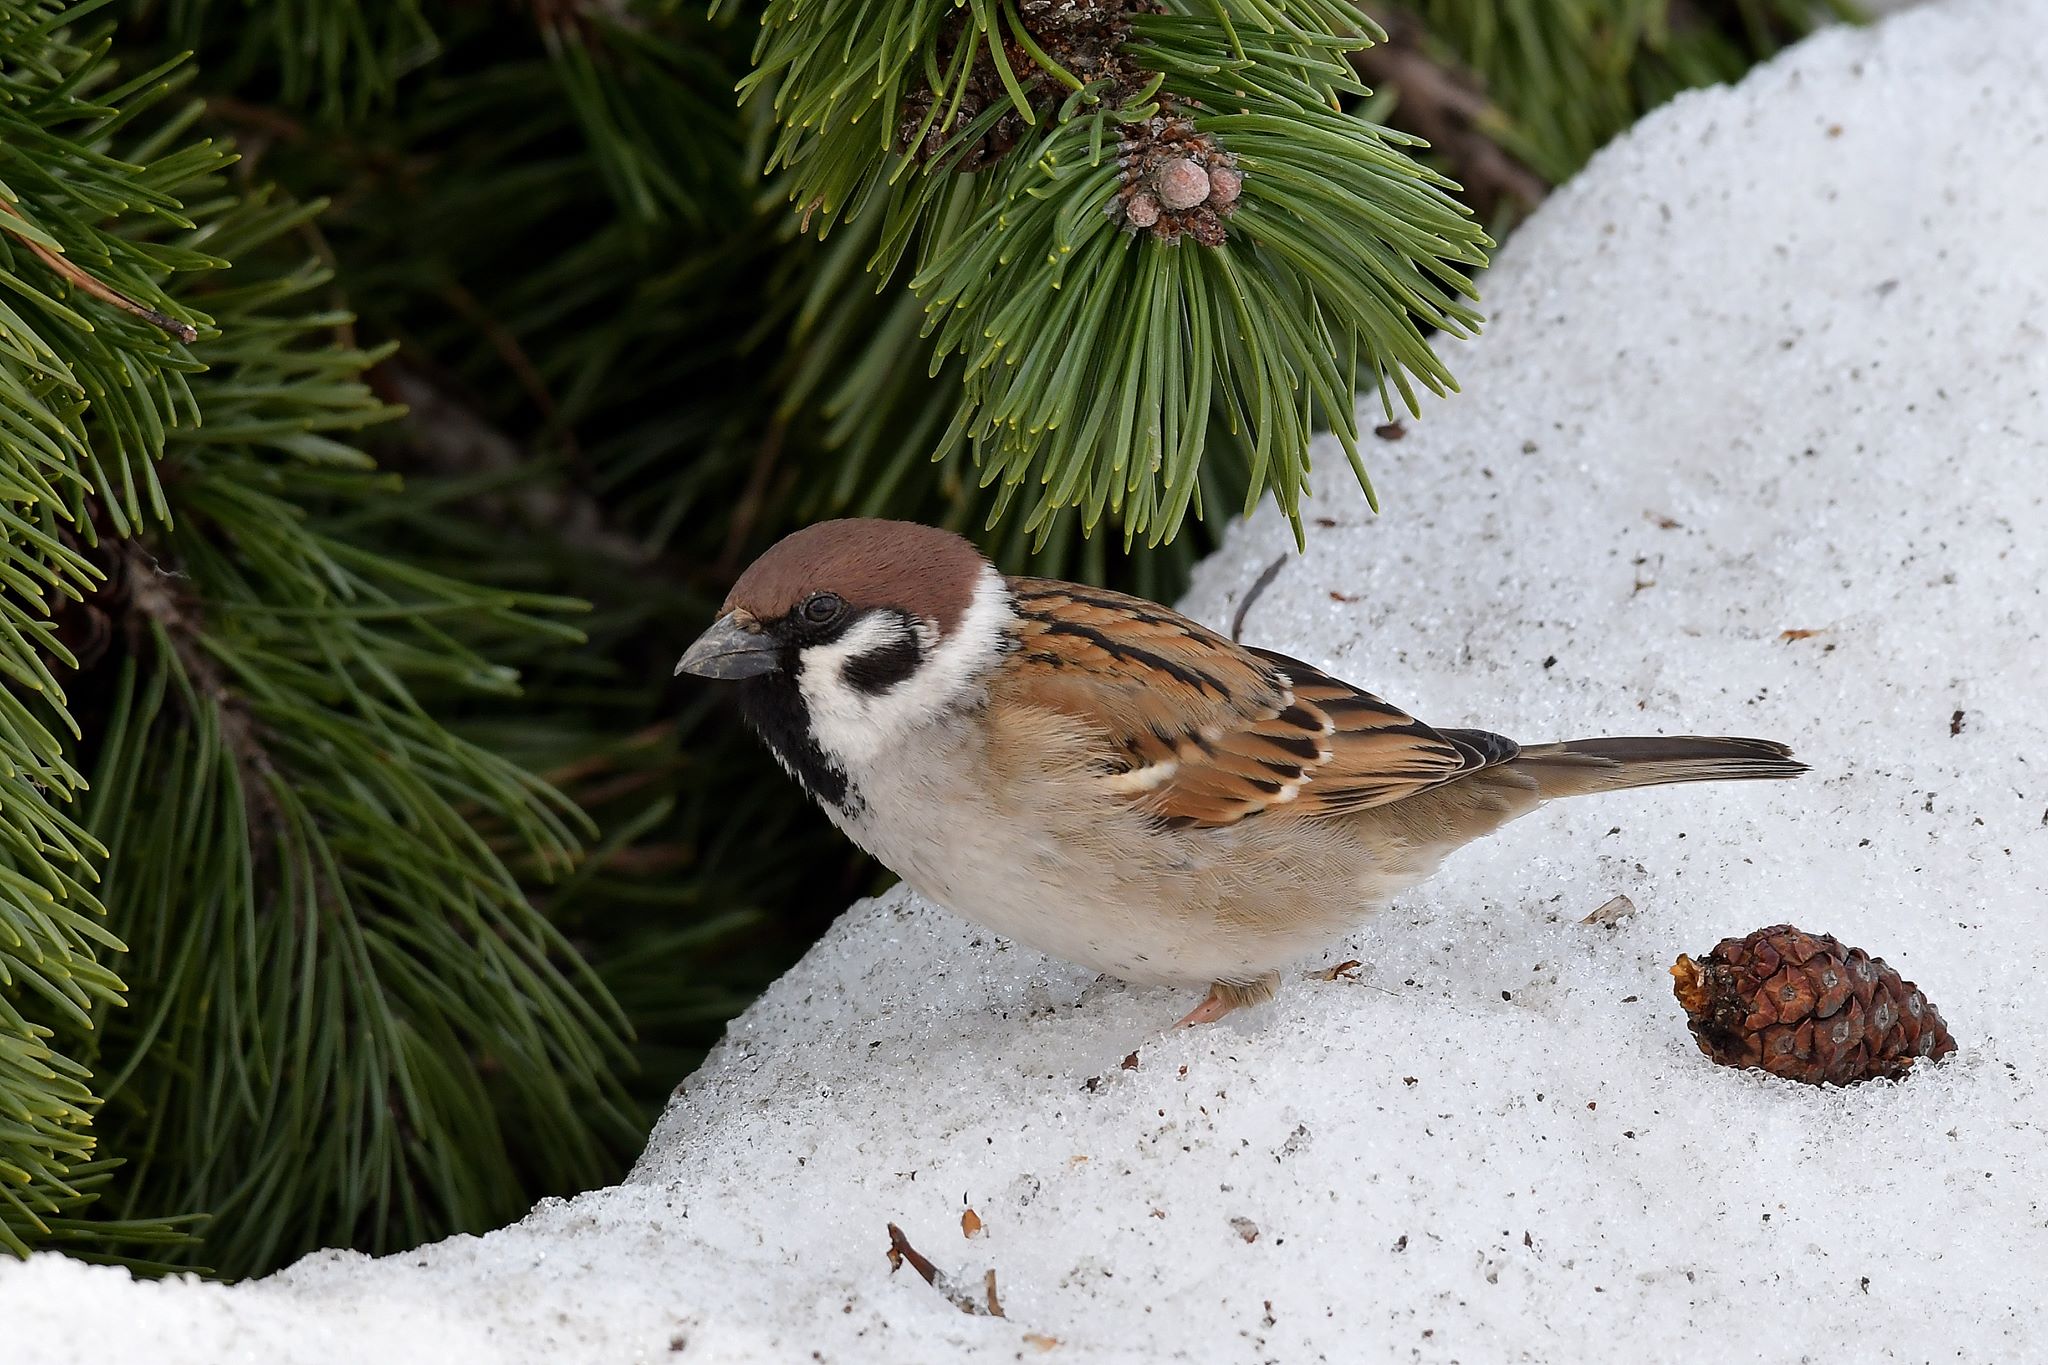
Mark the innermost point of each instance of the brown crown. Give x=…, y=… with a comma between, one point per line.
x=919, y=569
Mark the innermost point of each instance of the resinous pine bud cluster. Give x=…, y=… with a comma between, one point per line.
x=1804, y=1007
x=1176, y=181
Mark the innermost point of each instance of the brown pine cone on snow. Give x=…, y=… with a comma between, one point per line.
x=1804, y=1007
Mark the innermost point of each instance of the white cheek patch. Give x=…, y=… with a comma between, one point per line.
x=856, y=727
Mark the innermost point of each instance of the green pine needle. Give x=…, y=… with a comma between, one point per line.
x=338, y=1019
x=1096, y=365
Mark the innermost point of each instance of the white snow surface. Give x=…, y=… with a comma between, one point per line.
x=1775, y=362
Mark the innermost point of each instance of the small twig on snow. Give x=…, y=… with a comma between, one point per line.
x=1252, y=594
x=987, y=1305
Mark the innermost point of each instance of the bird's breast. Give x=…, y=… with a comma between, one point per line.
x=1042, y=851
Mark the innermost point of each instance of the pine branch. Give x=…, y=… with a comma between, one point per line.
x=54, y=946
x=286, y=681
x=345, y=1011
x=1096, y=360
x=452, y=441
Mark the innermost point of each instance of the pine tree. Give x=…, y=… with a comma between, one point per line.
x=362, y=876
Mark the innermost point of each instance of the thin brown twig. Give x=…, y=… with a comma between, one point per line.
x=257, y=116
x=316, y=242
x=962, y=1298
x=900, y=1250
x=752, y=498
x=576, y=770
x=154, y=598
x=500, y=339
x=1253, y=593
x=1446, y=106
x=105, y=293
x=451, y=439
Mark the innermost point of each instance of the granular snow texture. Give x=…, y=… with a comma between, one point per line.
x=1756, y=443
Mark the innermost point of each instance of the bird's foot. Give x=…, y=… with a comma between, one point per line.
x=1225, y=996
x=1214, y=1006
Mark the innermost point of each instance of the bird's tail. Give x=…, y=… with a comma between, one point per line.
x=1580, y=766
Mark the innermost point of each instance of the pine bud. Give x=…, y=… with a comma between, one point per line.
x=1141, y=210
x=1225, y=185
x=1180, y=183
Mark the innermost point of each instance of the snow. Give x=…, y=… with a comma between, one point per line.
x=1775, y=362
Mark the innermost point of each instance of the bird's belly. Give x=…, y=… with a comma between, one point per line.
x=1116, y=896
x=1029, y=886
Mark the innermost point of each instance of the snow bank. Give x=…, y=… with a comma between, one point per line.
x=1775, y=363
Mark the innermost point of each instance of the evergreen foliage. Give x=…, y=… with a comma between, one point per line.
x=1568, y=75
x=323, y=955
x=362, y=874
x=1094, y=357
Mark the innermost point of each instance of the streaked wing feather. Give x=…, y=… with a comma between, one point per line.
x=1204, y=731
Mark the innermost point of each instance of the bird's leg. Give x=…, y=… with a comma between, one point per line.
x=1225, y=996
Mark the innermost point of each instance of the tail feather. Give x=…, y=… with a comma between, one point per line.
x=1580, y=766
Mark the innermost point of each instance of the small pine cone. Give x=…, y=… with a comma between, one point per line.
x=1804, y=1007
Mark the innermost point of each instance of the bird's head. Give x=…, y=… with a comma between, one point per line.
x=856, y=632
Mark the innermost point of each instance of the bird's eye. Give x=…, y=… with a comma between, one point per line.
x=823, y=608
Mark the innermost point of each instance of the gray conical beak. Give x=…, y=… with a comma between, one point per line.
x=731, y=650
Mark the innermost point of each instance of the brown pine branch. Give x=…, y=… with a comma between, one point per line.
x=86, y=283
x=452, y=439
x=1440, y=101
x=156, y=597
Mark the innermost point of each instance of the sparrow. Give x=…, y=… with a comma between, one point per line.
x=1104, y=779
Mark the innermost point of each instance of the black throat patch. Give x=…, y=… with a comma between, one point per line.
x=775, y=709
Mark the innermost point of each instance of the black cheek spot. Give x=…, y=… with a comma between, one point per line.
x=881, y=668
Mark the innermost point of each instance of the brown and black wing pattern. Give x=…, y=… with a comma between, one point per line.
x=1204, y=731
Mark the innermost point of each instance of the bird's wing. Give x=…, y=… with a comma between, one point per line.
x=1203, y=731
